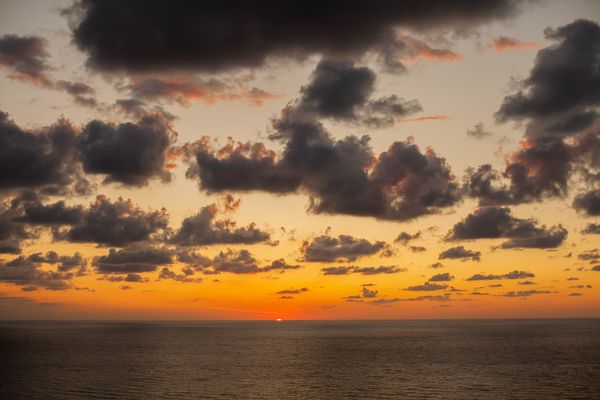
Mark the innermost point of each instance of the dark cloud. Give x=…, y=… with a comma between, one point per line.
x=36, y=213
x=525, y=293
x=509, y=275
x=592, y=256
x=478, y=131
x=28, y=273
x=444, y=277
x=591, y=229
x=589, y=202
x=436, y=265
x=426, y=287
x=115, y=224
x=186, y=275
x=81, y=93
x=405, y=237
x=340, y=176
x=45, y=157
x=560, y=95
x=241, y=167
x=527, y=283
x=240, y=34
x=540, y=168
x=26, y=57
x=11, y=232
x=343, y=248
x=346, y=270
x=293, y=291
x=559, y=104
x=202, y=229
x=133, y=259
x=193, y=259
x=128, y=153
x=242, y=262
x=459, y=252
x=342, y=91
x=368, y=293
x=498, y=222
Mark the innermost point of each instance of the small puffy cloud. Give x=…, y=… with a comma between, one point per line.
x=346, y=270
x=203, y=229
x=426, y=287
x=343, y=248
x=444, y=277
x=516, y=274
x=133, y=259
x=459, y=252
x=478, y=131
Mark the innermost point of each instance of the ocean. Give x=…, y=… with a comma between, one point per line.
x=457, y=359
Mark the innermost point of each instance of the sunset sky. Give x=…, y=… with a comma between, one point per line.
x=306, y=160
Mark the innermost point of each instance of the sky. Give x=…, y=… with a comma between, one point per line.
x=244, y=160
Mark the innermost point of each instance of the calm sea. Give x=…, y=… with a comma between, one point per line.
x=485, y=359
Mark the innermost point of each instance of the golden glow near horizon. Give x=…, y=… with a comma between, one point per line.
x=457, y=90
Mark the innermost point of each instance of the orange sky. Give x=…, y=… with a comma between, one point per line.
x=450, y=85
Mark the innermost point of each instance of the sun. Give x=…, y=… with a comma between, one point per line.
x=279, y=320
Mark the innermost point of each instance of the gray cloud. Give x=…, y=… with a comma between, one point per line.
x=133, y=259
x=459, y=252
x=444, y=277
x=498, y=222
x=203, y=229
x=346, y=270
x=128, y=153
x=238, y=34
x=115, y=224
x=509, y=275
x=343, y=248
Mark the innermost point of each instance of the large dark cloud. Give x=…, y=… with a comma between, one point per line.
x=561, y=93
x=343, y=248
x=133, y=259
x=115, y=223
x=159, y=35
x=540, y=168
x=45, y=157
x=559, y=104
x=128, y=153
x=342, y=91
x=203, y=229
x=498, y=222
x=340, y=176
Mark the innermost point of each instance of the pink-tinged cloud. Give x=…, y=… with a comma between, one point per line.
x=437, y=117
x=417, y=49
x=185, y=90
x=503, y=43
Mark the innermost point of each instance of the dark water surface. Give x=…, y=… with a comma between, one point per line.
x=486, y=359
